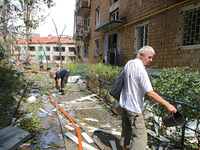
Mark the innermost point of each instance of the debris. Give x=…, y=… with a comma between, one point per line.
x=31, y=99
x=73, y=79
x=75, y=139
x=44, y=111
x=25, y=147
x=159, y=137
x=103, y=130
x=69, y=127
x=89, y=140
x=42, y=115
x=95, y=136
x=90, y=119
x=113, y=144
x=89, y=97
x=13, y=121
x=194, y=141
x=107, y=126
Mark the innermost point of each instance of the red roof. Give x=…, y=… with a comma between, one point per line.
x=37, y=40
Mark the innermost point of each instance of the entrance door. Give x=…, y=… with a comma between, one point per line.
x=112, y=49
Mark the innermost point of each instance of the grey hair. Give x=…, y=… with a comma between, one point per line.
x=51, y=74
x=144, y=51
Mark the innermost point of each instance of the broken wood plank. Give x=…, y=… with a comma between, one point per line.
x=75, y=139
x=89, y=140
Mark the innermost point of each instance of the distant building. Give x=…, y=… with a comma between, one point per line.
x=40, y=47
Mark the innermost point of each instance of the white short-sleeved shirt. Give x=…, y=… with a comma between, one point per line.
x=136, y=84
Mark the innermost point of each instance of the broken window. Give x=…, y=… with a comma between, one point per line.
x=190, y=26
x=96, y=47
x=98, y=16
x=58, y=57
x=114, y=15
x=141, y=36
x=56, y=49
x=71, y=49
x=47, y=48
x=86, y=50
x=32, y=48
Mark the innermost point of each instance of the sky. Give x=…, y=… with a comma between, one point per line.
x=62, y=14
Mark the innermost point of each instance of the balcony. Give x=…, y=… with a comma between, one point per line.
x=82, y=7
x=83, y=33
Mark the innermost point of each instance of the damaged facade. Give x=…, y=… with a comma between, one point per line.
x=119, y=28
x=40, y=47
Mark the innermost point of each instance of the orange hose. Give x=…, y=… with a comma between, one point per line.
x=70, y=119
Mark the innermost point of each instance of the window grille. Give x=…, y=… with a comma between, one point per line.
x=96, y=48
x=86, y=50
x=141, y=36
x=190, y=27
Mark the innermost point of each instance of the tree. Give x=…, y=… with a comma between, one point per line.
x=29, y=14
x=7, y=18
x=58, y=37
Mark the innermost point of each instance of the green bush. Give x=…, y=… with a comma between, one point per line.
x=11, y=81
x=100, y=71
x=73, y=67
x=181, y=87
x=180, y=84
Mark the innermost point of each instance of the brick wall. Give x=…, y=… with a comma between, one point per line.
x=162, y=34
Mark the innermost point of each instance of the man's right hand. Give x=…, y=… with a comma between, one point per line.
x=171, y=108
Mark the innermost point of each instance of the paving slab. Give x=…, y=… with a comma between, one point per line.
x=12, y=137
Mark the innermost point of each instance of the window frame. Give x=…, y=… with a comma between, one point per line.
x=137, y=43
x=86, y=51
x=97, y=16
x=87, y=23
x=116, y=15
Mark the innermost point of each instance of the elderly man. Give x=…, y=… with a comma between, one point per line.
x=136, y=85
x=61, y=78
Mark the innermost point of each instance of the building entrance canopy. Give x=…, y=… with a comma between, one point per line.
x=108, y=26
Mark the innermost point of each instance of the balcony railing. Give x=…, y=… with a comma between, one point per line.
x=82, y=33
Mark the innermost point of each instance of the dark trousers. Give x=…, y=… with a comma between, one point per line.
x=64, y=82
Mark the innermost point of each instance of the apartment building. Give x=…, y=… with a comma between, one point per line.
x=119, y=28
x=47, y=49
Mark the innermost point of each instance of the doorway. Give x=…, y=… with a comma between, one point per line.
x=112, y=49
